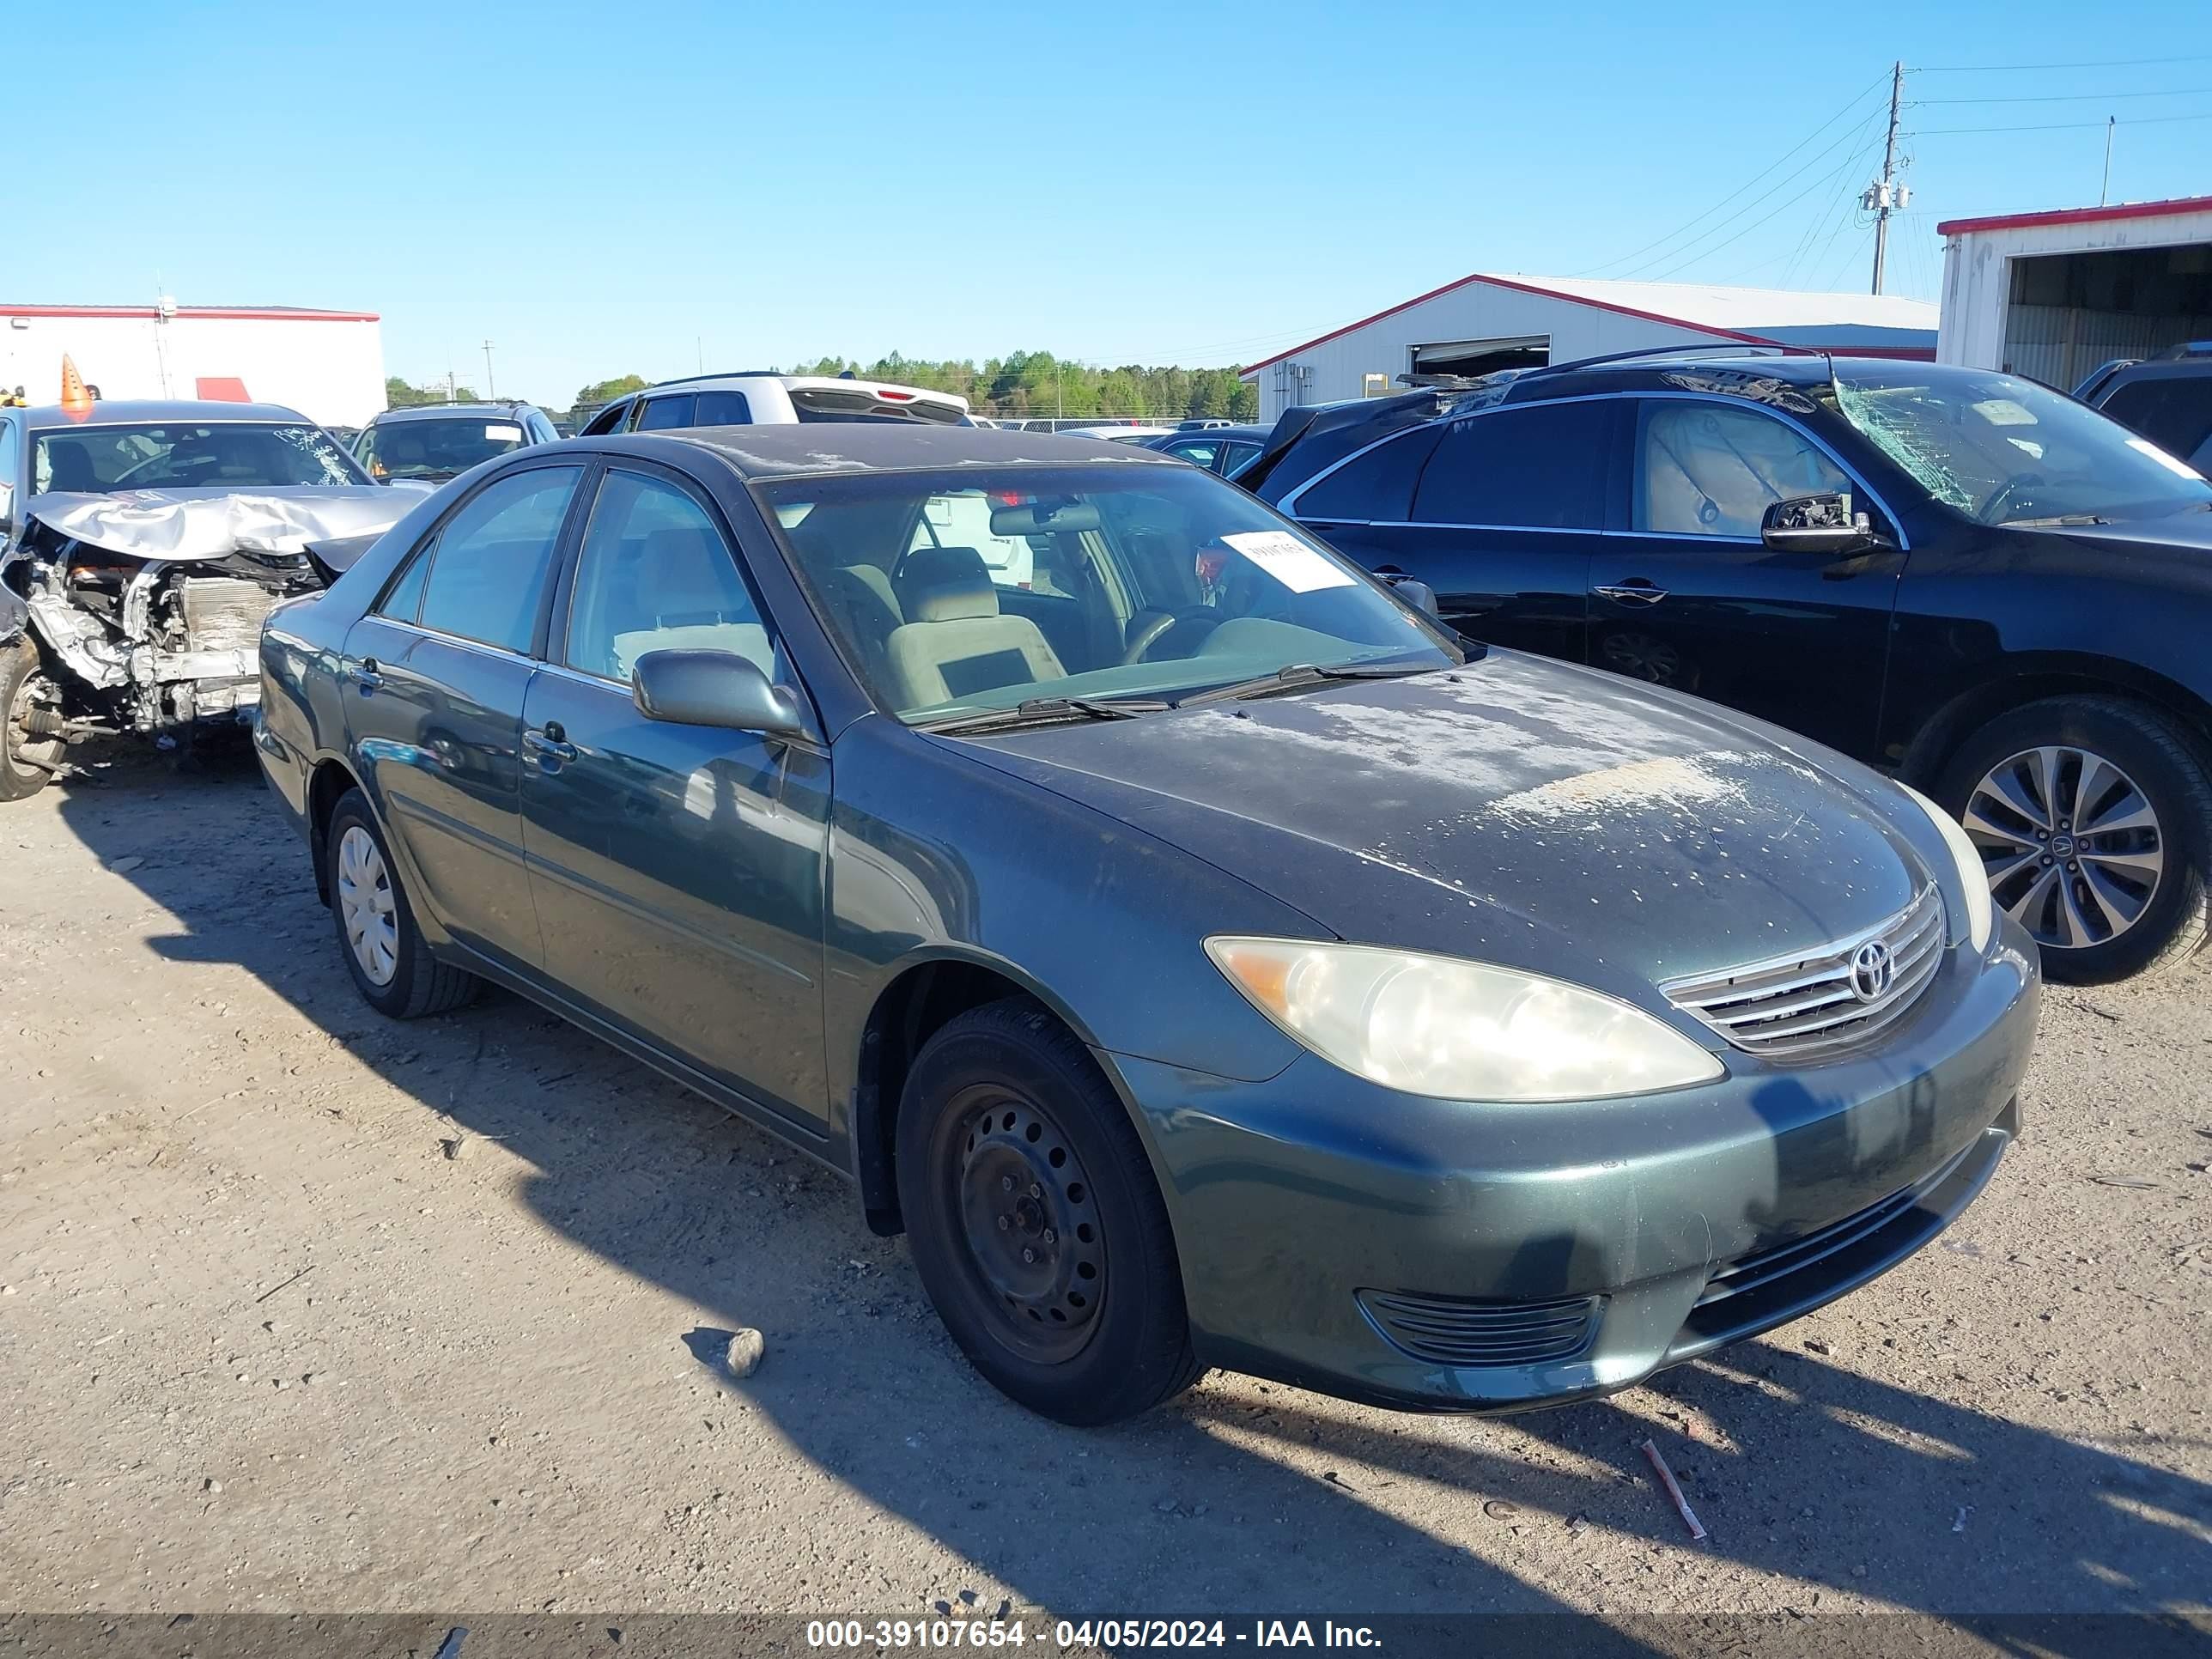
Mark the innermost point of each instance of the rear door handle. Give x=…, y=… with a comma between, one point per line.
x=1637, y=592
x=549, y=742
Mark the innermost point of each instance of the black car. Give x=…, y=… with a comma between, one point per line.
x=1223, y=449
x=2167, y=399
x=433, y=442
x=1958, y=575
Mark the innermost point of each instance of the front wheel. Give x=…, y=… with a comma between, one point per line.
x=2094, y=817
x=27, y=760
x=1034, y=1222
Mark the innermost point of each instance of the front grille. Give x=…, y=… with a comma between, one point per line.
x=1754, y=1272
x=1797, y=1004
x=1452, y=1331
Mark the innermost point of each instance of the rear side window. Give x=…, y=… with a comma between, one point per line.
x=1537, y=468
x=489, y=569
x=2173, y=412
x=1376, y=486
x=661, y=414
x=1713, y=469
x=722, y=408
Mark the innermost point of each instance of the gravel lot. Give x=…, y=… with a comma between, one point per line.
x=304, y=1310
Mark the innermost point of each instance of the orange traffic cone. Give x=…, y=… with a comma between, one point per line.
x=77, y=402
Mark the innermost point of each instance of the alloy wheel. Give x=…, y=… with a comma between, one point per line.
x=367, y=907
x=2072, y=847
x=1036, y=1247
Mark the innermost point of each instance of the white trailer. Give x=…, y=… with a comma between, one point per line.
x=2051, y=295
x=329, y=365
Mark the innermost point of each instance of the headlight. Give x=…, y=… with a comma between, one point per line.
x=1436, y=1025
x=1981, y=914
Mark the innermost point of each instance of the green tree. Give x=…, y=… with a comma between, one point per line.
x=605, y=392
x=400, y=394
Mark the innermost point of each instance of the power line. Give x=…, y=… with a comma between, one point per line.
x=2061, y=97
x=1687, y=225
x=2062, y=126
x=2101, y=63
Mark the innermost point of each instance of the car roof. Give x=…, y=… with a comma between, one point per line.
x=117, y=412
x=780, y=452
x=1218, y=433
x=441, y=411
x=826, y=382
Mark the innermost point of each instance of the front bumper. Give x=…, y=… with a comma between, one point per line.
x=1443, y=1254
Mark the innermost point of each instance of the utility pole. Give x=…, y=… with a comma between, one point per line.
x=1886, y=196
x=491, y=387
x=2104, y=191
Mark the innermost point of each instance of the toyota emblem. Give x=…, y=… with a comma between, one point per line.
x=1873, y=969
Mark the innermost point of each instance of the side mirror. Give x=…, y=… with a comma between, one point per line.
x=1420, y=595
x=714, y=688
x=1815, y=524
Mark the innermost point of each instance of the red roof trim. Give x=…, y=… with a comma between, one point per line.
x=1518, y=287
x=267, y=315
x=2078, y=216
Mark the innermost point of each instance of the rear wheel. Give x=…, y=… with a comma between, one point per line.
x=2094, y=817
x=27, y=760
x=385, y=952
x=1035, y=1221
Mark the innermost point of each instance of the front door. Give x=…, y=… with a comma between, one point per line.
x=1688, y=596
x=679, y=870
x=434, y=683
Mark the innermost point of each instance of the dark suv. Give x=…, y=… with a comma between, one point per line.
x=2168, y=400
x=1959, y=575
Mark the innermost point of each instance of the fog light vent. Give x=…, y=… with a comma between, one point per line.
x=1458, y=1332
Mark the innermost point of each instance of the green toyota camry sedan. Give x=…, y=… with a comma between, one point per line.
x=1204, y=957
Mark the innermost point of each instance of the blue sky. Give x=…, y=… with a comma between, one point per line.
x=604, y=189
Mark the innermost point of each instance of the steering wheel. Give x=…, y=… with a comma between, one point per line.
x=1164, y=622
x=2003, y=493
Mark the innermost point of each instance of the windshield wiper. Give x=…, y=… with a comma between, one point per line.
x=2054, y=521
x=1296, y=676
x=1046, y=711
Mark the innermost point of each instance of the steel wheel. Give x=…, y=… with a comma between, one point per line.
x=364, y=905
x=1034, y=1244
x=2073, y=849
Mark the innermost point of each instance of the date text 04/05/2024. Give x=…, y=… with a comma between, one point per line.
x=894, y=1635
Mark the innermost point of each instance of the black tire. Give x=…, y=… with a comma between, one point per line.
x=21, y=777
x=2169, y=772
x=419, y=984
x=1098, y=1331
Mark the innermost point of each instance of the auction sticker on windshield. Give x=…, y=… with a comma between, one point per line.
x=1288, y=560
x=512, y=432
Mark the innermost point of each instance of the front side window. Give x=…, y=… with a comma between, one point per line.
x=609, y=419
x=1197, y=451
x=1164, y=580
x=1541, y=467
x=440, y=446
x=655, y=575
x=1706, y=469
x=2002, y=450
x=489, y=568
x=665, y=414
x=192, y=455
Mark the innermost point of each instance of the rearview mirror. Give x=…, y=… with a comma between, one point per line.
x=1815, y=524
x=714, y=688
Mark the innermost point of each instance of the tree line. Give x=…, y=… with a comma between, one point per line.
x=1022, y=384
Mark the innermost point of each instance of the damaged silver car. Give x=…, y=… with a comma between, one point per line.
x=141, y=546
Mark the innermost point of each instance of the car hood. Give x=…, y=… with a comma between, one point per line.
x=1513, y=810
x=213, y=524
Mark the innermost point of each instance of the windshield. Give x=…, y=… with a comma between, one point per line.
x=981, y=588
x=215, y=455
x=2007, y=450
x=442, y=447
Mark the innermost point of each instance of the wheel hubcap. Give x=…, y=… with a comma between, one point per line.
x=2072, y=847
x=1032, y=1227
x=365, y=906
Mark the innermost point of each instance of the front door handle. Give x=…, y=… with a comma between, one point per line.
x=367, y=675
x=549, y=742
x=1632, y=593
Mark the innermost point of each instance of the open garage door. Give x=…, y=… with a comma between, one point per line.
x=2071, y=311
x=1472, y=357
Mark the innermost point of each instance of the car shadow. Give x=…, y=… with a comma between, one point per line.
x=1242, y=1497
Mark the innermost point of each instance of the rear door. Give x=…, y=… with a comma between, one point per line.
x=1500, y=513
x=433, y=686
x=679, y=870
x=1688, y=596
